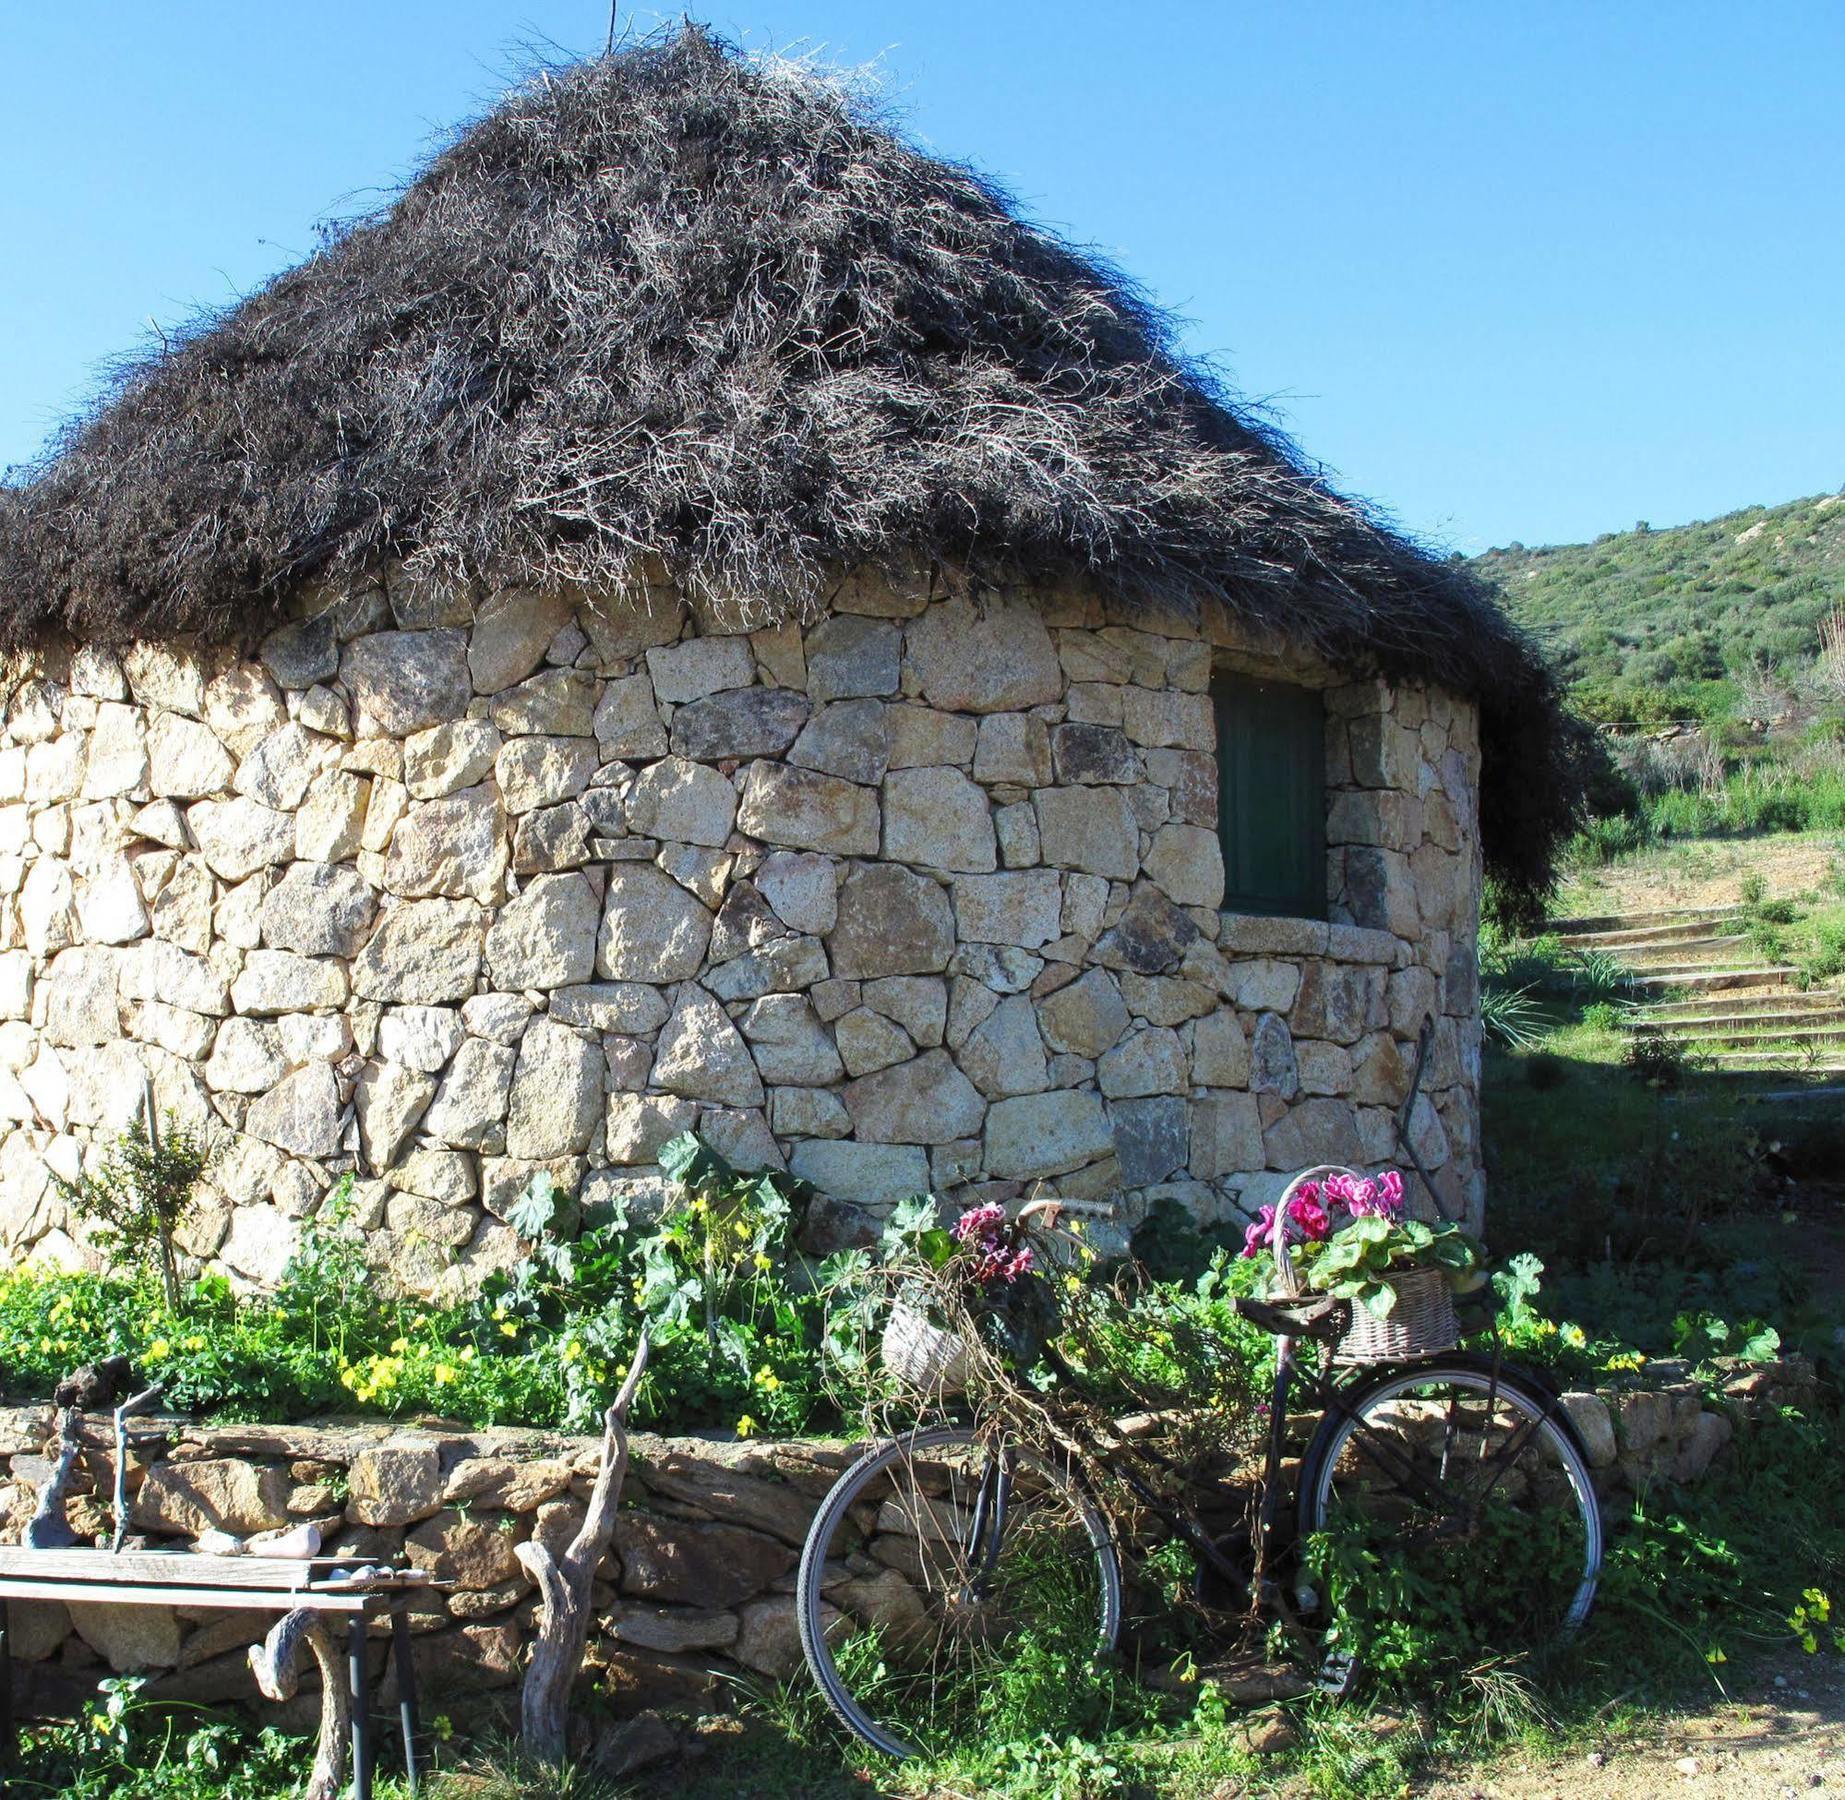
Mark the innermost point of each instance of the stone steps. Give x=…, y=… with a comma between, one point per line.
x=1610, y=931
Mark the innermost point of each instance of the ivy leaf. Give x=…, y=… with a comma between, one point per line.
x=531, y=1214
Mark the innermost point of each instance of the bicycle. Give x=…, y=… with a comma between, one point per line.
x=947, y=1552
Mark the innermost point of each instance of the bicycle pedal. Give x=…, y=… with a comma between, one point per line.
x=1338, y=1674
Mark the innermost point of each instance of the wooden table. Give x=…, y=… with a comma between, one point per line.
x=340, y=1587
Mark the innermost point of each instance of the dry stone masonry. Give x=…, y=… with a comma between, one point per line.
x=923, y=894
x=698, y=1585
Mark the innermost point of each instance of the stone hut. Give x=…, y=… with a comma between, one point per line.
x=697, y=614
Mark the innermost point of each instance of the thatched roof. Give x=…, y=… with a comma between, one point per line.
x=682, y=302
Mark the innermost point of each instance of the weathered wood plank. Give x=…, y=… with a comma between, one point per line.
x=78, y=1593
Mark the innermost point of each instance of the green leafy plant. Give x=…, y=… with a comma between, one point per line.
x=140, y=1194
x=1512, y=1017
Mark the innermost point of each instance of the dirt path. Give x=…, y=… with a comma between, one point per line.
x=1709, y=872
x=1781, y=1733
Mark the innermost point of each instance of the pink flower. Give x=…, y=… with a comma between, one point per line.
x=1310, y=1218
x=1392, y=1184
x=979, y=1221
x=1259, y=1235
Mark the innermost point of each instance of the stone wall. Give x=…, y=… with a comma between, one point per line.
x=922, y=894
x=699, y=1583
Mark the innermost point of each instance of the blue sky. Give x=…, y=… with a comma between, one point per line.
x=1512, y=272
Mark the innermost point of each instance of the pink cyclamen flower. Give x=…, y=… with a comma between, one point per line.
x=1392, y=1185
x=1260, y=1233
x=979, y=1221
x=1310, y=1218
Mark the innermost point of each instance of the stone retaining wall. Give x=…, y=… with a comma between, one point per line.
x=699, y=1583
x=442, y=889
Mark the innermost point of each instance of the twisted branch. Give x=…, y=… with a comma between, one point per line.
x=275, y=1663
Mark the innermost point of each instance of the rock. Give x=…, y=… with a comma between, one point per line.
x=652, y=929
x=214, y=1494
x=424, y=953
x=420, y=1037
x=552, y=839
x=556, y=703
x=891, y=922
x=1086, y=1018
x=1091, y=754
x=512, y=631
x=469, y=1109
x=801, y=888
x=924, y=1101
x=808, y=810
x=1015, y=748
x=1152, y=1138
x=997, y=660
x=1273, y=1068
x=768, y=1640
x=395, y=1483
x=1589, y=1414
x=279, y=981
x=331, y=823
x=850, y=657
x=938, y=818
x=1187, y=862
x=47, y=910
x=1313, y=1131
x=627, y=721
x=246, y=1058
x=185, y=759
x=702, y=1565
x=81, y=1005
x=542, y=771
x=301, y=1113
x=626, y=1007
x=1261, y=984
x=871, y=1175
x=706, y=665
x=923, y=738
x=790, y=1043
x=324, y=711
x=238, y=837
x=302, y=652
x=1220, y=1051
x=556, y=1098
x=402, y=681
x=1152, y=1061
x=739, y=722
x=685, y=801
x=1045, y=1134
x=1005, y=1054
x=1709, y=1433
x=868, y=1041
x=1151, y=937
x=639, y=1124
x=1025, y=909
x=117, y=762
x=700, y=1055
x=446, y=758
x=1016, y=827
x=277, y=772
x=546, y=937
x=628, y=1746
x=849, y=738
x=1226, y=1136
x=307, y=1037
x=919, y=1003
x=318, y=909
x=130, y=1638
x=471, y=1553
x=259, y=1244
x=1088, y=828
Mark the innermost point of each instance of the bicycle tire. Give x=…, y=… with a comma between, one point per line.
x=1525, y=1394
x=812, y=1578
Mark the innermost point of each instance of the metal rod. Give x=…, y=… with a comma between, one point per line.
x=406, y=1691
x=361, y=1710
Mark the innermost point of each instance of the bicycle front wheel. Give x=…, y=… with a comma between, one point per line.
x=1446, y=1508
x=944, y=1578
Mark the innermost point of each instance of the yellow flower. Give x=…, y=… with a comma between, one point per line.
x=509, y=1329
x=761, y=1261
x=746, y=1426
x=399, y=1346
x=444, y=1373
x=467, y=1355
x=158, y=1349
x=195, y=1343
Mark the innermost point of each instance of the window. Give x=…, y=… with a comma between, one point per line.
x=1271, y=796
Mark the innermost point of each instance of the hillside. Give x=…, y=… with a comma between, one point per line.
x=1642, y=623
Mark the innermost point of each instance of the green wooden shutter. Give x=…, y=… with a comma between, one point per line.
x=1271, y=796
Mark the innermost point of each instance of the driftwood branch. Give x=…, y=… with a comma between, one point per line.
x=50, y=1528
x=275, y=1664
x=564, y=1584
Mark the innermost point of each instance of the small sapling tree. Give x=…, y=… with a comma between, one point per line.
x=140, y=1194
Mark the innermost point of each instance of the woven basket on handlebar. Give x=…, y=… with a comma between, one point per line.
x=1423, y=1321
x=922, y=1355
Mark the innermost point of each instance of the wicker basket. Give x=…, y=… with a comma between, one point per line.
x=1421, y=1323
x=922, y=1355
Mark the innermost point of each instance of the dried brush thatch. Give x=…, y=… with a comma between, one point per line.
x=677, y=301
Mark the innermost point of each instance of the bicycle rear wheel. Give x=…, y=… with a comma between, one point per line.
x=1448, y=1509
x=937, y=1568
